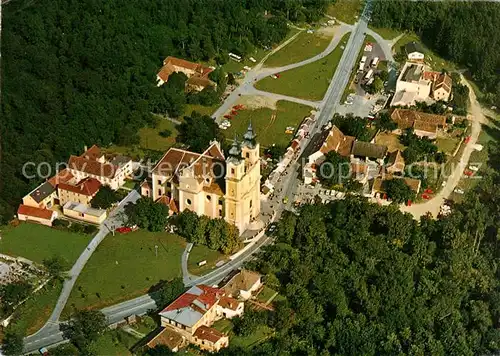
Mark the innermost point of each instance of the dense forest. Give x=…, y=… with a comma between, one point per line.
x=361, y=279
x=465, y=32
x=83, y=72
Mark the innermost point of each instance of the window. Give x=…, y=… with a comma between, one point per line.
x=159, y=191
x=232, y=170
x=250, y=203
x=188, y=201
x=207, y=180
x=220, y=212
x=209, y=198
x=169, y=184
x=220, y=201
x=247, y=155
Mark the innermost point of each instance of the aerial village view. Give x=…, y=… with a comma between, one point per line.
x=246, y=177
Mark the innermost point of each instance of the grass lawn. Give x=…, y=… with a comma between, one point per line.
x=390, y=140
x=447, y=145
x=269, y=131
x=305, y=45
x=259, y=53
x=203, y=253
x=33, y=314
x=266, y=294
x=386, y=33
x=346, y=10
x=150, y=137
x=146, y=325
x=124, y=266
x=308, y=82
x=130, y=184
x=203, y=110
x=246, y=342
x=114, y=342
x=38, y=242
x=437, y=63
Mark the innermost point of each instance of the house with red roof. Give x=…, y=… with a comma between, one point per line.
x=35, y=214
x=197, y=74
x=191, y=316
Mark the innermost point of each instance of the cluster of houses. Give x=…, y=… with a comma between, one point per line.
x=416, y=82
x=197, y=74
x=292, y=151
x=69, y=192
x=189, y=318
x=370, y=163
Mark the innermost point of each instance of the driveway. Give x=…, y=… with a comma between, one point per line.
x=114, y=220
x=432, y=206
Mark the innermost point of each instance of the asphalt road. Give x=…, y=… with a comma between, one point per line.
x=50, y=333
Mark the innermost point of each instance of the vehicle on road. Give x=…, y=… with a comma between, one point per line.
x=369, y=74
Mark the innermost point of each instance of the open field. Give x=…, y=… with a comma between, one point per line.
x=386, y=33
x=447, y=145
x=151, y=139
x=203, y=110
x=203, y=253
x=437, y=63
x=269, y=130
x=346, y=10
x=259, y=53
x=265, y=294
x=33, y=314
x=38, y=242
x=308, y=82
x=390, y=140
x=305, y=45
x=125, y=266
x=114, y=342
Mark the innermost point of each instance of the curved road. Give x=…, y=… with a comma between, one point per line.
x=432, y=206
x=257, y=73
x=50, y=334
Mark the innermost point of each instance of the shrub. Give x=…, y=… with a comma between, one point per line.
x=90, y=229
x=60, y=223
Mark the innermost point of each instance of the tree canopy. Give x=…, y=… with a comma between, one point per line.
x=84, y=327
x=147, y=214
x=77, y=73
x=465, y=32
x=363, y=279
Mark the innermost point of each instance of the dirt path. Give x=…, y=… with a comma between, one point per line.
x=433, y=205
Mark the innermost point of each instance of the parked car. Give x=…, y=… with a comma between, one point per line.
x=458, y=191
x=124, y=230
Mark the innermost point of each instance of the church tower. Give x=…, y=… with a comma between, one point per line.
x=243, y=182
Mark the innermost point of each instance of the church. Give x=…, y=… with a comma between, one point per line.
x=209, y=183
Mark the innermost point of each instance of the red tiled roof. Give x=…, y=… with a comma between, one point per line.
x=338, y=142
x=92, y=153
x=169, y=63
x=35, y=212
x=200, y=81
x=92, y=167
x=208, y=297
x=63, y=176
x=176, y=160
x=209, y=334
x=229, y=303
x=87, y=186
x=405, y=118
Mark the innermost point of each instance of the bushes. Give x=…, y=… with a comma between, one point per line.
x=214, y=233
x=61, y=224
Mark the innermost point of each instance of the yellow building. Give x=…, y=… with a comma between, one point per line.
x=82, y=192
x=211, y=184
x=84, y=213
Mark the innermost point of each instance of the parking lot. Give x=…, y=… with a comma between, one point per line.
x=361, y=103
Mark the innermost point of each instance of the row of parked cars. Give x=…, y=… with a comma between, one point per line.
x=332, y=193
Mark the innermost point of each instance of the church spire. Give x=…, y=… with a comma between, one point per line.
x=235, y=150
x=249, y=136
